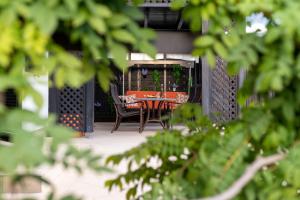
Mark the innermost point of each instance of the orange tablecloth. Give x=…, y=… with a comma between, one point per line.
x=142, y=94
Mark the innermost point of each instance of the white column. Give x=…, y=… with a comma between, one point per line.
x=40, y=84
x=206, y=73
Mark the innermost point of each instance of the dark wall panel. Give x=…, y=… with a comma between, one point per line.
x=11, y=100
x=174, y=42
x=103, y=107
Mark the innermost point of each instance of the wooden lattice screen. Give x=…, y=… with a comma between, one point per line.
x=224, y=88
x=72, y=108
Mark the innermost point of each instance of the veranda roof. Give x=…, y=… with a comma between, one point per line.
x=183, y=63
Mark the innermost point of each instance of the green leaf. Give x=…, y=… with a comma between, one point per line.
x=221, y=50
x=104, y=76
x=272, y=35
x=131, y=193
x=24, y=145
x=50, y=196
x=109, y=184
x=68, y=60
x=80, y=18
x=11, y=162
x=288, y=111
x=7, y=16
x=59, y=135
x=69, y=197
x=204, y=41
x=177, y=4
x=98, y=24
x=37, y=98
x=119, y=54
x=59, y=77
x=211, y=59
x=211, y=8
x=137, y=2
x=118, y=20
x=147, y=48
x=259, y=123
x=133, y=13
x=272, y=140
x=44, y=17
x=276, y=83
x=72, y=4
x=123, y=36
x=148, y=34
x=263, y=82
x=102, y=11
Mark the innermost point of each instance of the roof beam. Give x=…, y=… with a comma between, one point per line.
x=184, y=63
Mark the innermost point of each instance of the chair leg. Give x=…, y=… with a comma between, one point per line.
x=117, y=124
x=141, y=121
x=170, y=115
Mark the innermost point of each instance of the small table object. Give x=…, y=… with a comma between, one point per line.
x=153, y=113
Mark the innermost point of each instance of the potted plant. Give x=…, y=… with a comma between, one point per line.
x=156, y=79
x=176, y=73
x=174, y=86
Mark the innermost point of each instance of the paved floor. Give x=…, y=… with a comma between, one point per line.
x=90, y=186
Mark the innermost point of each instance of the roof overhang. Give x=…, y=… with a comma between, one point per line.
x=158, y=15
x=183, y=63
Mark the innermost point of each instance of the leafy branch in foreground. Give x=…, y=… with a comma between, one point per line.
x=208, y=159
x=51, y=145
x=36, y=37
x=239, y=184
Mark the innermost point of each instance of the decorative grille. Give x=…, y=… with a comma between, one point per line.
x=71, y=108
x=149, y=2
x=223, y=93
x=157, y=1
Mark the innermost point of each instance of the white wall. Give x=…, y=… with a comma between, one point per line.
x=40, y=84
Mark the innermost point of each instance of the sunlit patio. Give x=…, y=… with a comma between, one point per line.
x=90, y=186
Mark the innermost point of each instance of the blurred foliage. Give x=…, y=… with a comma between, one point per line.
x=207, y=158
x=103, y=30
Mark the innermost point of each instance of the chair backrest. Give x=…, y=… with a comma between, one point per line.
x=198, y=95
x=117, y=102
x=192, y=94
x=114, y=93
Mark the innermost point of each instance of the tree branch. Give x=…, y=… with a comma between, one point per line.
x=250, y=172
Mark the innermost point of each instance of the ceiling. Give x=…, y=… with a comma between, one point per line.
x=159, y=16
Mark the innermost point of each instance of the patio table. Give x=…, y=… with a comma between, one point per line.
x=146, y=94
x=154, y=114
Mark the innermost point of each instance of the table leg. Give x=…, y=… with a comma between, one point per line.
x=148, y=113
x=153, y=109
x=159, y=114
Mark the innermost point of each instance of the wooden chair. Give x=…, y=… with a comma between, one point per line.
x=194, y=97
x=197, y=95
x=192, y=94
x=122, y=112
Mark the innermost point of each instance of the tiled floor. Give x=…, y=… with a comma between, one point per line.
x=90, y=186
